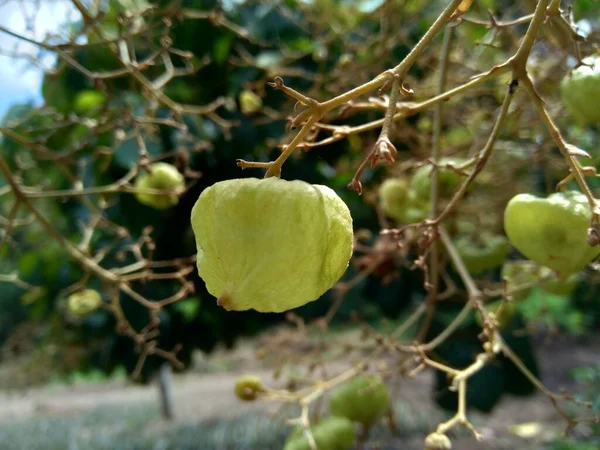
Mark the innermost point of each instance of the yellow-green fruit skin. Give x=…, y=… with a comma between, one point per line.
x=164, y=176
x=362, y=399
x=84, y=302
x=250, y=102
x=551, y=231
x=269, y=244
x=518, y=273
x=558, y=286
x=448, y=179
x=437, y=441
x=248, y=387
x=479, y=258
x=393, y=195
x=580, y=91
x=89, y=100
x=332, y=433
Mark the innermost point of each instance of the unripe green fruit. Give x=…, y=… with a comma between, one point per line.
x=84, y=302
x=417, y=209
x=437, y=441
x=270, y=245
x=551, y=231
x=393, y=196
x=362, y=399
x=556, y=285
x=248, y=387
x=479, y=257
x=163, y=177
x=250, y=102
x=580, y=91
x=518, y=273
x=332, y=433
x=448, y=179
x=415, y=215
x=89, y=100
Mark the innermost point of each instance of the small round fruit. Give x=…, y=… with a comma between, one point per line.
x=89, y=100
x=362, y=399
x=580, y=91
x=332, y=433
x=249, y=102
x=248, y=387
x=556, y=285
x=448, y=178
x=270, y=245
x=437, y=441
x=84, y=302
x=551, y=231
x=519, y=273
x=487, y=254
x=417, y=209
x=165, y=177
x=393, y=196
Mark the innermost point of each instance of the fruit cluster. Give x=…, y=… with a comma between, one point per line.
x=362, y=400
x=408, y=201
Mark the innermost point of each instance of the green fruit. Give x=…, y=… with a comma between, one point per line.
x=393, y=196
x=487, y=254
x=84, y=302
x=504, y=317
x=557, y=285
x=417, y=209
x=332, y=433
x=415, y=215
x=518, y=273
x=580, y=91
x=362, y=399
x=270, y=244
x=551, y=231
x=250, y=102
x=437, y=441
x=163, y=176
x=89, y=100
x=448, y=178
x=248, y=387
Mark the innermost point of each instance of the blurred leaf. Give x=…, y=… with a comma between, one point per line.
x=553, y=310
x=188, y=308
x=27, y=264
x=221, y=48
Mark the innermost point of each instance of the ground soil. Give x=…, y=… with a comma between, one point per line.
x=201, y=396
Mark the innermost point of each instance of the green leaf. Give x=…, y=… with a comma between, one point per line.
x=552, y=310
x=221, y=48
x=188, y=308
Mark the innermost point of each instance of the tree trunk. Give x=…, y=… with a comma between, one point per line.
x=165, y=390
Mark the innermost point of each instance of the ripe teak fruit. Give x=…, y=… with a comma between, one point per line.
x=580, y=91
x=162, y=176
x=363, y=399
x=270, y=245
x=551, y=231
